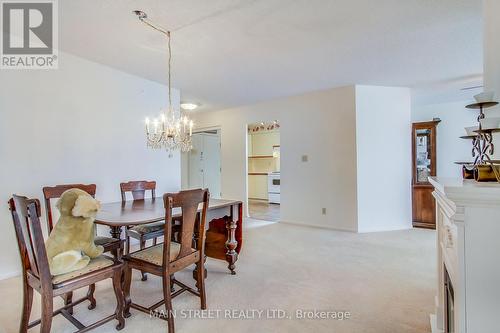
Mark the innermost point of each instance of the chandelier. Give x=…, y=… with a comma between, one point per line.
x=173, y=130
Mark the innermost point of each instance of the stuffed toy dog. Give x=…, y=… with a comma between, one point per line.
x=71, y=243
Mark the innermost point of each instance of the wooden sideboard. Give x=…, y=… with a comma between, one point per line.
x=468, y=248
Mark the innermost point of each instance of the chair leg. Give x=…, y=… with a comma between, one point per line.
x=90, y=296
x=127, y=272
x=127, y=245
x=68, y=298
x=143, y=245
x=117, y=287
x=167, y=295
x=27, y=304
x=201, y=283
x=47, y=309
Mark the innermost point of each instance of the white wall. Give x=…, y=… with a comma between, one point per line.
x=383, y=141
x=81, y=123
x=320, y=125
x=491, y=54
x=491, y=8
x=450, y=148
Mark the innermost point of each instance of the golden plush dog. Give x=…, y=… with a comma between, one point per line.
x=71, y=243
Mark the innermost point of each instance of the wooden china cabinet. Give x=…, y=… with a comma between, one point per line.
x=423, y=166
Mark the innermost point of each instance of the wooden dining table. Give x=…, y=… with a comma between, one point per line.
x=224, y=236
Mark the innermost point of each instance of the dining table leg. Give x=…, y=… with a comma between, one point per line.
x=115, y=232
x=232, y=243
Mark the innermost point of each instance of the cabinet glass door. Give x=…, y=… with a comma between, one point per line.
x=423, y=158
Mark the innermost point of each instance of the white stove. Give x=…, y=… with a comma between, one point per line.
x=273, y=187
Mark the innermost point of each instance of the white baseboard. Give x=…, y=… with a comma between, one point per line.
x=319, y=226
x=365, y=231
x=434, y=328
x=8, y=275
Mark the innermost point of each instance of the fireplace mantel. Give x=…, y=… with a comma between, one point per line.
x=468, y=246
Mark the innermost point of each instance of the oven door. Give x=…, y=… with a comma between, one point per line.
x=273, y=184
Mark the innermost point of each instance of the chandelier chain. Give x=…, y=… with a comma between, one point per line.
x=171, y=131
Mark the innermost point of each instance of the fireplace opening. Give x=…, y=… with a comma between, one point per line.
x=449, y=304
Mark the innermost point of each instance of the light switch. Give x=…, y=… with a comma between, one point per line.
x=304, y=158
x=323, y=211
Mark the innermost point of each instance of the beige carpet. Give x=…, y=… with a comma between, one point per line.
x=385, y=280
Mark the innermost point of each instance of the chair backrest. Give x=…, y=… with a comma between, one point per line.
x=138, y=189
x=26, y=218
x=189, y=202
x=55, y=192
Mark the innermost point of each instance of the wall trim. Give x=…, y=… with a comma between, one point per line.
x=367, y=230
x=8, y=275
x=318, y=226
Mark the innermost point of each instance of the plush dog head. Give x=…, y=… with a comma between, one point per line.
x=77, y=203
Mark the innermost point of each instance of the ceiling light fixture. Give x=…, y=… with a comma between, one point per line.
x=189, y=106
x=172, y=130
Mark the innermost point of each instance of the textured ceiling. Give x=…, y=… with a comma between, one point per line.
x=235, y=52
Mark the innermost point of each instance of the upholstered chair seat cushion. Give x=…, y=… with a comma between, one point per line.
x=102, y=240
x=154, y=254
x=94, y=265
x=148, y=228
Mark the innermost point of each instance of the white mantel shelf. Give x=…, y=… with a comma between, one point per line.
x=468, y=246
x=467, y=190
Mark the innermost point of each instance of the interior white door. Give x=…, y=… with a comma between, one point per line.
x=195, y=173
x=211, y=164
x=204, y=163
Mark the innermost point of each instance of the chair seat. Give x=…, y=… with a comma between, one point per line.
x=148, y=228
x=154, y=254
x=94, y=265
x=102, y=240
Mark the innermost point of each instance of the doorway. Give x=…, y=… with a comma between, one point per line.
x=201, y=167
x=263, y=165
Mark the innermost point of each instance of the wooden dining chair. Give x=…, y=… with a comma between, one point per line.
x=143, y=232
x=54, y=192
x=36, y=273
x=169, y=257
x=111, y=245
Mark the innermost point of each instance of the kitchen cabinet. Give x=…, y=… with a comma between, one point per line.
x=257, y=186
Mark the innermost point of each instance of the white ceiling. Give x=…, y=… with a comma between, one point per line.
x=235, y=52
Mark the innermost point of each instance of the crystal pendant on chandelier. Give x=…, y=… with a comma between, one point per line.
x=170, y=132
x=173, y=130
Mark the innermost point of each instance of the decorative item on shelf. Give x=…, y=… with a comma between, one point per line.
x=270, y=126
x=490, y=123
x=495, y=167
x=173, y=130
x=482, y=168
x=484, y=173
x=467, y=169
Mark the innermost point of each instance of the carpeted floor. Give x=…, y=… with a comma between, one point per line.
x=384, y=280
